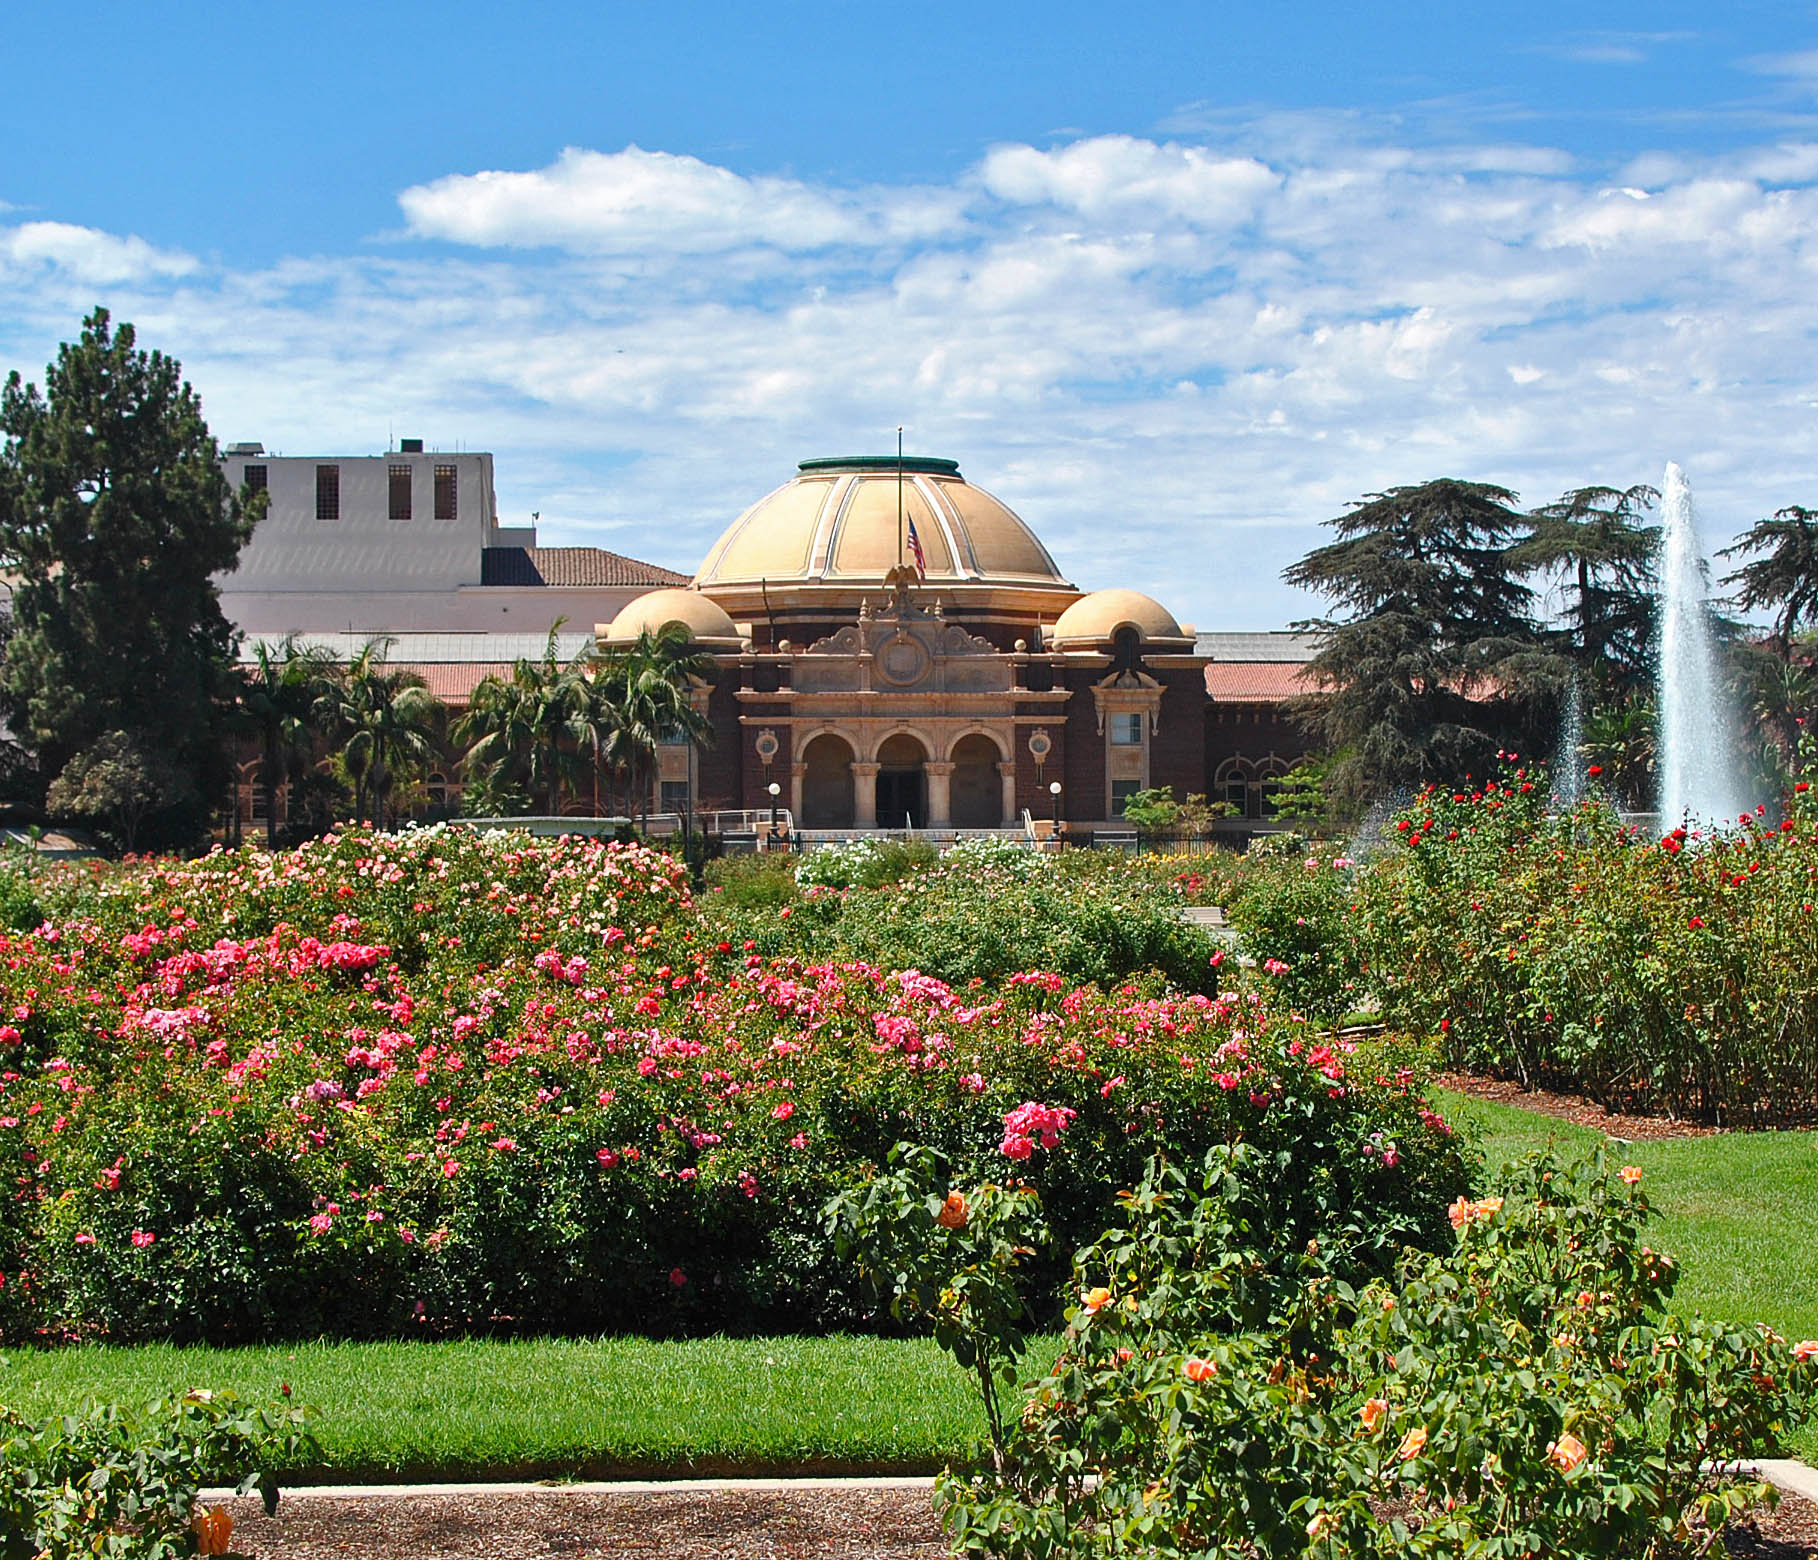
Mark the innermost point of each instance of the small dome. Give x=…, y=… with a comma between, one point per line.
x=835, y=523
x=1095, y=620
x=654, y=611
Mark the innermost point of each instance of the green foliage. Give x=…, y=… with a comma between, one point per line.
x=1227, y=1388
x=1652, y=973
x=102, y=1482
x=383, y=722
x=864, y=863
x=1303, y=791
x=116, y=782
x=1781, y=572
x=19, y=908
x=529, y=732
x=1299, y=928
x=116, y=516
x=947, y=1257
x=761, y=881
x=1415, y=679
x=453, y=1083
x=1153, y=810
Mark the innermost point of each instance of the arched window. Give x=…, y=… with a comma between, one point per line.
x=1232, y=784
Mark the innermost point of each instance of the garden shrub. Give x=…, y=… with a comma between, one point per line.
x=760, y=881
x=1228, y=1389
x=449, y=1082
x=105, y=1482
x=864, y=863
x=1297, y=923
x=18, y=890
x=1652, y=972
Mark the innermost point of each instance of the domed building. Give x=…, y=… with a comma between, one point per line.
x=896, y=647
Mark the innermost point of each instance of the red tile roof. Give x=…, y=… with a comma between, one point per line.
x=585, y=566
x=1257, y=682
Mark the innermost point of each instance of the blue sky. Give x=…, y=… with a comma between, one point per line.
x=1177, y=281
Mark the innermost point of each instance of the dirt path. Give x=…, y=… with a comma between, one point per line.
x=837, y=1522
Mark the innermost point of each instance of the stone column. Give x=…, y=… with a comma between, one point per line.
x=940, y=794
x=1012, y=817
x=864, y=795
x=796, y=771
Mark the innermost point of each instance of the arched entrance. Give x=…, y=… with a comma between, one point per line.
x=827, y=783
x=977, y=790
x=902, y=788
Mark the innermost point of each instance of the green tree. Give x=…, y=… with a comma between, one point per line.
x=642, y=697
x=117, y=781
x=382, y=720
x=1782, y=572
x=1422, y=679
x=115, y=516
x=1152, y=811
x=280, y=691
x=1595, y=543
x=1619, y=742
x=532, y=730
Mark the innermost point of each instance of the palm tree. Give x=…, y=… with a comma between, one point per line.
x=1785, y=578
x=383, y=719
x=643, y=698
x=535, y=725
x=1619, y=738
x=279, y=691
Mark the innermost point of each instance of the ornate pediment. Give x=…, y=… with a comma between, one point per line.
x=902, y=647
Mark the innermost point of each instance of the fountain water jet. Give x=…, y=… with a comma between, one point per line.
x=1568, y=763
x=1696, y=740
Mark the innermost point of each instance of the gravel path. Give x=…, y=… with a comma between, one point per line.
x=827, y=1522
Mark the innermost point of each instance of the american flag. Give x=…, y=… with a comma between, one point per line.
x=915, y=550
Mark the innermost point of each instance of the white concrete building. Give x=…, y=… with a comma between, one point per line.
x=407, y=542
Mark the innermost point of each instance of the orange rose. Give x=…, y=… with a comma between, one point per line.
x=1484, y=1207
x=1804, y=1351
x=1459, y=1213
x=1373, y=1414
x=1092, y=1299
x=1566, y=1453
x=1322, y=1526
x=953, y=1212
x=1631, y=1174
x=1412, y=1444
x=213, y=1527
x=1197, y=1369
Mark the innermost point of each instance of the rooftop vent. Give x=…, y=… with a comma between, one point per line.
x=410, y=446
x=251, y=448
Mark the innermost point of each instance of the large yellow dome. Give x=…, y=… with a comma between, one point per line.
x=835, y=523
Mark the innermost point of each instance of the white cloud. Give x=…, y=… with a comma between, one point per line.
x=1119, y=175
x=1174, y=359
x=636, y=202
x=87, y=254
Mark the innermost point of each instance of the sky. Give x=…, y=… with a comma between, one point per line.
x=1178, y=282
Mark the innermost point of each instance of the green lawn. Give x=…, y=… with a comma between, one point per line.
x=618, y=1407
x=1739, y=1211
x=1736, y=1210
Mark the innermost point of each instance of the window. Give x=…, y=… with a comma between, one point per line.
x=328, y=492
x=1236, y=791
x=672, y=736
x=445, y=492
x=1121, y=792
x=256, y=478
x=400, y=492
x=675, y=796
x=1271, y=795
x=1127, y=728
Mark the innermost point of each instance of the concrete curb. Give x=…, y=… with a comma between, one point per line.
x=1786, y=1474
x=595, y=1487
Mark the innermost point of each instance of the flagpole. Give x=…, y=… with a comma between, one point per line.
x=899, y=495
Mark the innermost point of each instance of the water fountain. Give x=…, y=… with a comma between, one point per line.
x=1568, y=763
x=1696, y=743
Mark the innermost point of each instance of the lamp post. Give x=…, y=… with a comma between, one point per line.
x=775, y=791
x=1054, y=790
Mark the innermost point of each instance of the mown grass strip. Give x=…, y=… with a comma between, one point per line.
x=1739, y=1211
x=611, y=1408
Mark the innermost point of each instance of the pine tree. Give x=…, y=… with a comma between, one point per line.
x=115, y=515
x=1420, y=679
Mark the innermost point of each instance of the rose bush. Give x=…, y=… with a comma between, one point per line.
x=1229, y=1388
x=456, y=1082
x=1656, y=972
